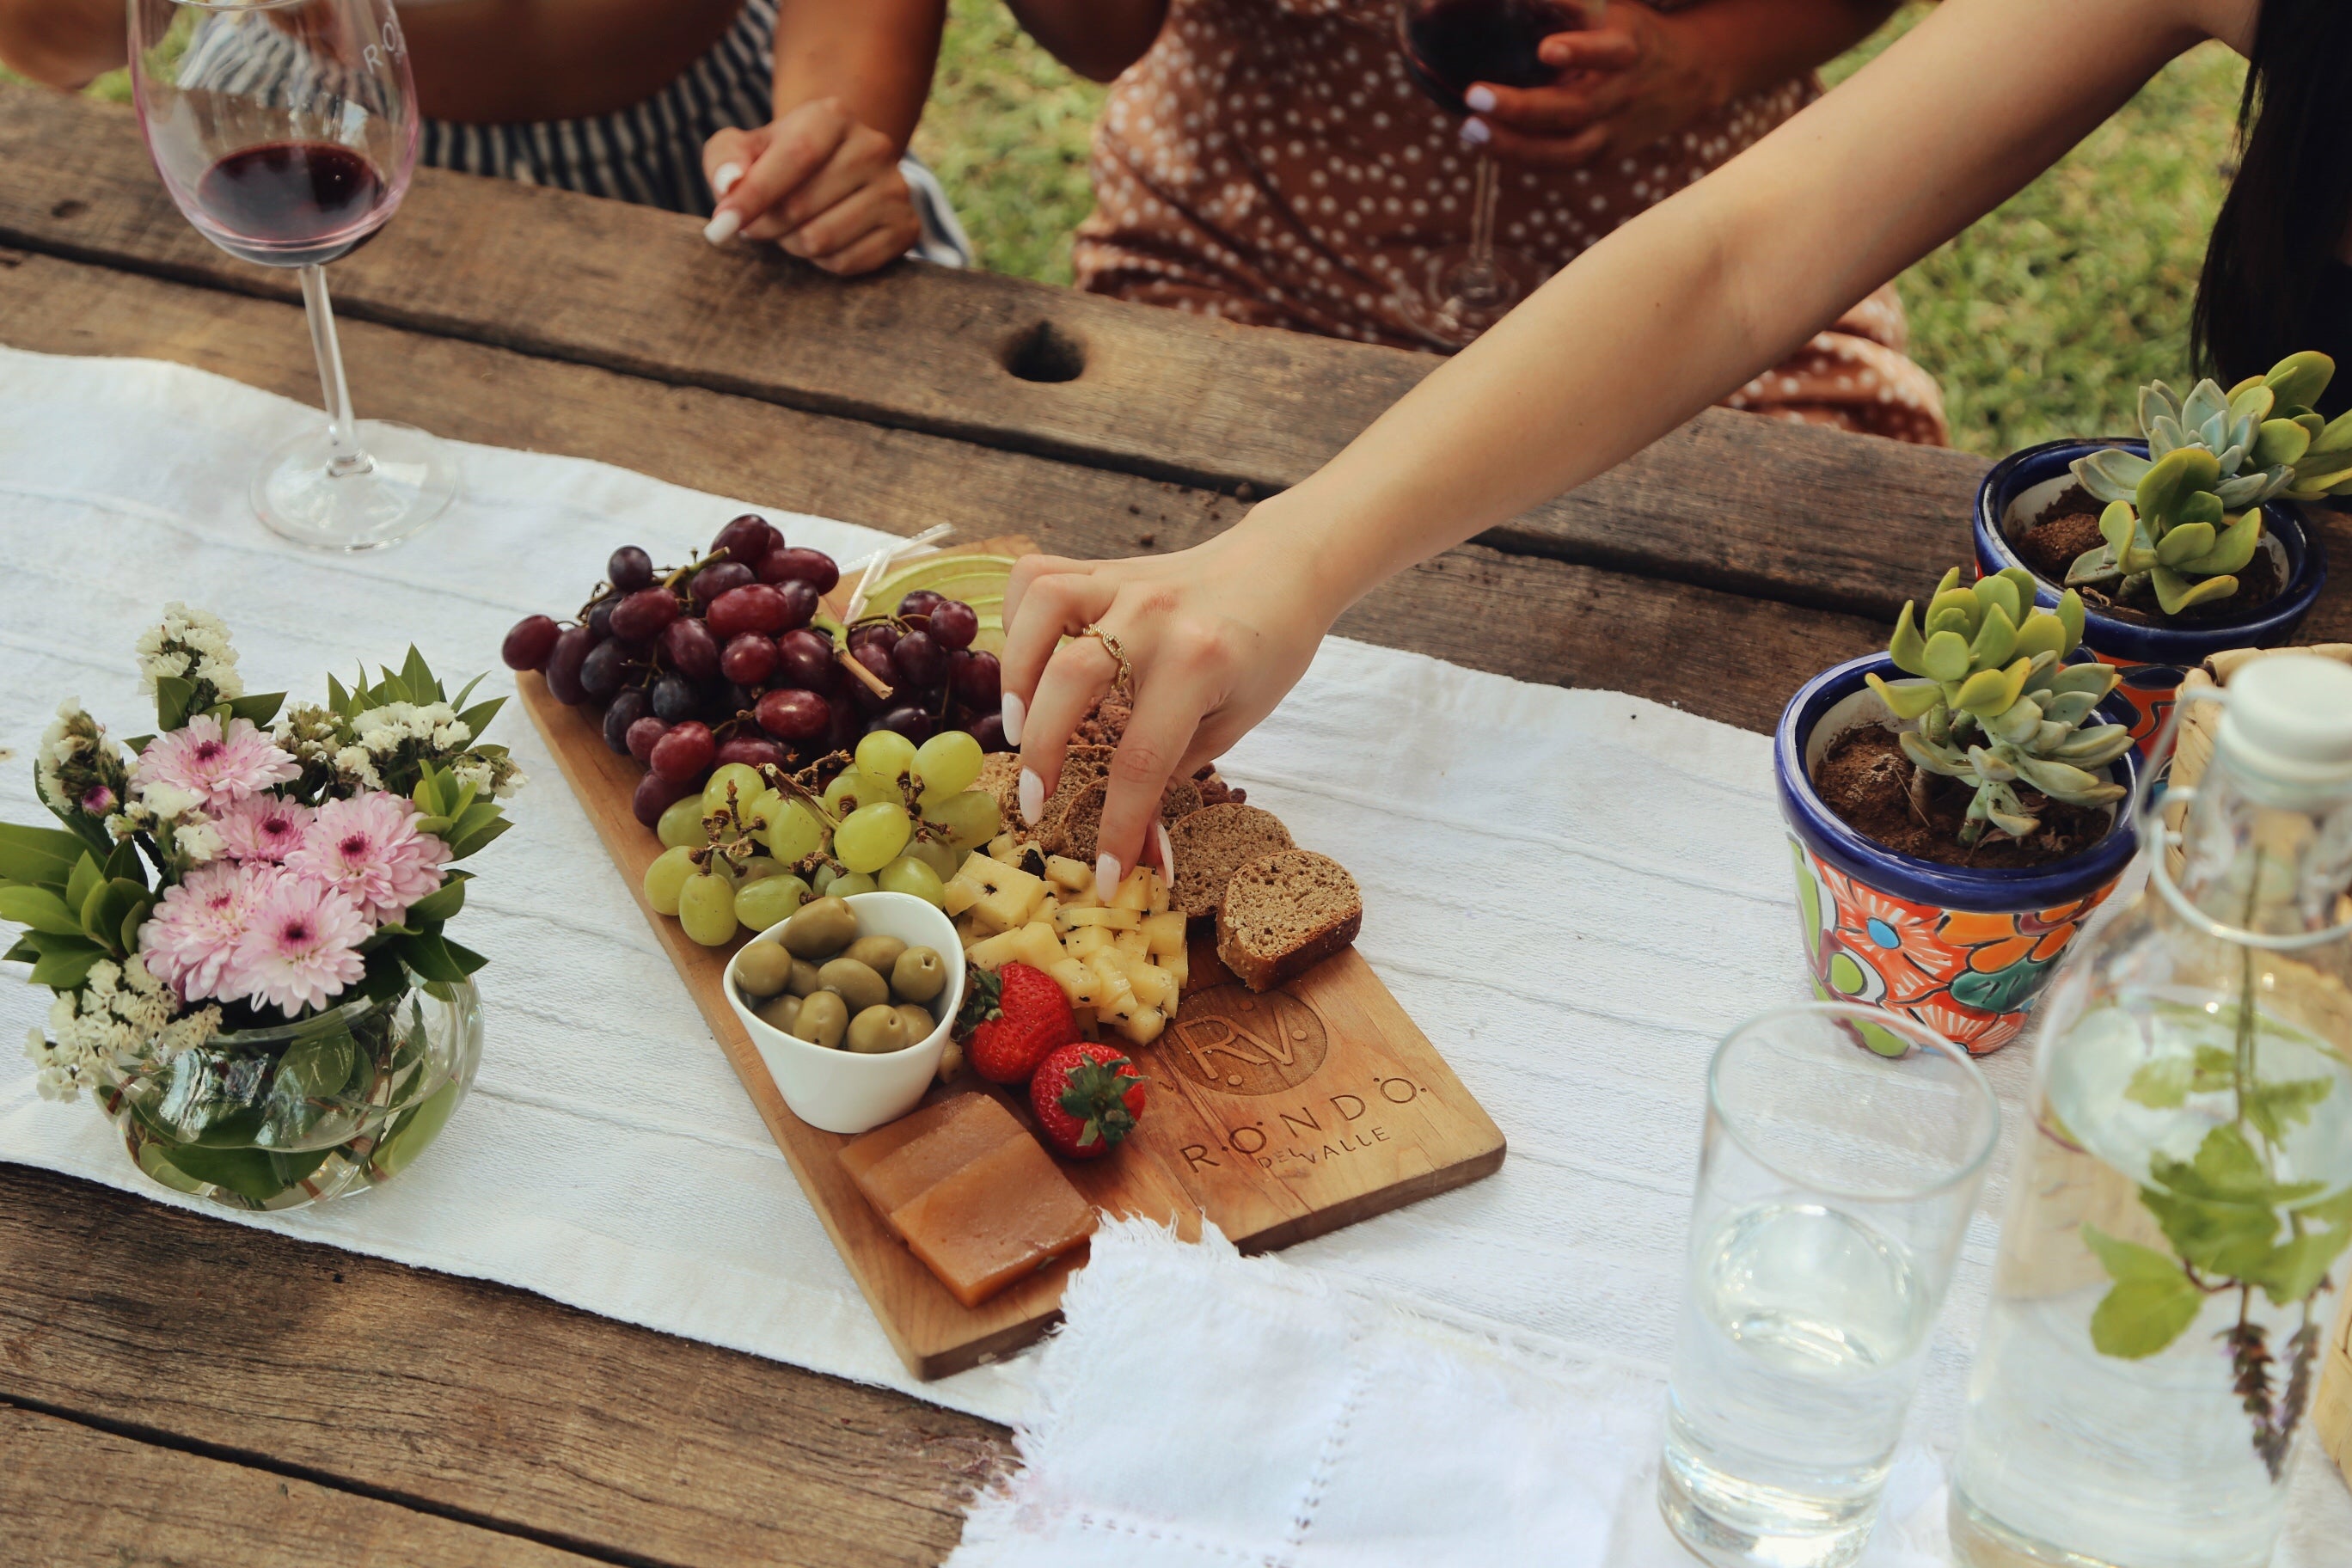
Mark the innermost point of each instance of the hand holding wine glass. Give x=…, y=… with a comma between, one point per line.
x=285, y=131
x=1632, y=78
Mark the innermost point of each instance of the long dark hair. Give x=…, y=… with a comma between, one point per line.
x=2267, y=270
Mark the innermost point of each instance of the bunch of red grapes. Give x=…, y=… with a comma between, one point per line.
x=717, y=662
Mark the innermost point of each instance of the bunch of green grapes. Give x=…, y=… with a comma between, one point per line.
x=755, y=845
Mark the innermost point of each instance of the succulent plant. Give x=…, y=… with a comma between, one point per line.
x=2188, y=517
x=1996, y=705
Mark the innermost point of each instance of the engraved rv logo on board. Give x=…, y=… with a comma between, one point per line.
x=1242, y=1043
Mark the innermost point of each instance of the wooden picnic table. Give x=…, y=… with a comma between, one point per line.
x=176, y=1389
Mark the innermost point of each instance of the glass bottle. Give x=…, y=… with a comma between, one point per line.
x=2175, y=1248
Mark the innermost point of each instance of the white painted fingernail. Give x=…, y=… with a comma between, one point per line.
x=723, y=178
x=1033, y=797
x=1474, y=132
x=1167, y=852
x=1481, y=99
x=1106, y=876
x=722, y=226
x=1015, y=710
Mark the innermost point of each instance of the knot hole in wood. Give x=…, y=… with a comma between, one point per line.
x=1044, y=352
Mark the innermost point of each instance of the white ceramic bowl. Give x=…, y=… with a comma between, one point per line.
x=842, y=1091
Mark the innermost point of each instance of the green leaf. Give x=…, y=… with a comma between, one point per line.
x=473, y=832
x=173, y=693
x=132, y=920
x=442, y=904
x=65, y=962
x=466, y=958
x=2161, y=1085
x=2334, y=1210
x=2271, y=1107
x=430, y=957
x=2230, y=1166
x=39, y=857
x=2294, y=1268
x=337, y=698
x=317, y=1067
x=2218, y=1237
x=41, y=909
x=22, y=951
x=260, y=709
x=418, y=675
x=86, y=876
x=123, y=864
x=477, y=718
x=2128, y=1260
x=2140, y=1318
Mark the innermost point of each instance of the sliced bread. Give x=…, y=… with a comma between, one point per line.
x=1285, y=913
x=1000, y=775
x=1213, y=843
x=1179, y=800
x=1072, y=831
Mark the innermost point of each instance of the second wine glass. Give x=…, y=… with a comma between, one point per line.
x=1449, y=46
x=285, y=131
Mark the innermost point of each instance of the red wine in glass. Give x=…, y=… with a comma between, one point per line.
x=290, y=203
x=286, y=131
x=1450, y=44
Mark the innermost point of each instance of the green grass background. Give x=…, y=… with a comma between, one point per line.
x=2040, y=320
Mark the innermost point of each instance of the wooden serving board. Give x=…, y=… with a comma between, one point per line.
x=1277, y=1117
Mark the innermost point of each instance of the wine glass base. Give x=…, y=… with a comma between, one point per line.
x=1461, y=299
x=409, y=479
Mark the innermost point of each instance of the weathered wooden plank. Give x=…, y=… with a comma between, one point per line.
x=1533, y=618
x=72, y=1495
x=462, y=1397
x=1733, y=501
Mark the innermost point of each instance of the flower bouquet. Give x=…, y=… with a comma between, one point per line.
x=244, y=925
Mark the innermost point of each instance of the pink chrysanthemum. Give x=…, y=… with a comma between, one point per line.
x=190, y=941
x=264, y=828
x=300, y=945
x=221, y=768
x=368, y=847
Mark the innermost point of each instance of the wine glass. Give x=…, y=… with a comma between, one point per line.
x=1448, y=46
x=286, y=131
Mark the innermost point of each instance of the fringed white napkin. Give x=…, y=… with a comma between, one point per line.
x=1201, y=1407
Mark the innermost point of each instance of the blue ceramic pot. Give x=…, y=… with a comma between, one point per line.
x=2152, y=658
x=1964, y=952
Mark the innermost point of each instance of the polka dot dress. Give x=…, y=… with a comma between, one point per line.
x=1271, y=162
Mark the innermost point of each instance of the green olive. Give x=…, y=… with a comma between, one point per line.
x=779, y=1012
x=821, y=1020
x=803, y=980
x=858, y=986
x=763, y=968
x=877, y=1030
x=920, y=1022
x=875, y=952
x=919, y=974
x=820, y=930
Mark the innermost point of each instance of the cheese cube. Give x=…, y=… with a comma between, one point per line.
x=1087, y=941
x=1163, y=932
x=1032, y=945
x=1143, y=1026
x=1077, y=980
x=1120, y=995
x=1075, y=876
x=1116, y=919
x=1130, y=942
x=1135, y=893
x=1008, y=894
x=1153, y=986
x=1178, y=967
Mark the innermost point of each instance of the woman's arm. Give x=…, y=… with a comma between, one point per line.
x=1096, y=39
x=1650, y=326
x=822, y=179
x=62, y=43
x=1643, y=74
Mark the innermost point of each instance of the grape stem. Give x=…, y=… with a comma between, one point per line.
x=874, y=682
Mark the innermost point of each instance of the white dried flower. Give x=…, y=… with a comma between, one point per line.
x=196, y=841
x=356, y=767
x=186, y=643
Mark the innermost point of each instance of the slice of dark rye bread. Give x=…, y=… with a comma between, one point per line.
x=1284, y=913
x=1213, y=843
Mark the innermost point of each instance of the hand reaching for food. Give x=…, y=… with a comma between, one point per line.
x=1207, y=640
x=821, y=184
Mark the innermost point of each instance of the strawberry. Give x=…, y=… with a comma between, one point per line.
x=1086, y=1097
x=1011, y=1019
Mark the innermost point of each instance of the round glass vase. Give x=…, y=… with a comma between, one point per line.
x=292, y=1115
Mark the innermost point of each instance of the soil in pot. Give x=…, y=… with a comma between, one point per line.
x=2070, y=525
x=1866, y=779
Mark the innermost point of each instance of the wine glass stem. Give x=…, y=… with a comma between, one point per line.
x=1480, y=268
x=350, y=456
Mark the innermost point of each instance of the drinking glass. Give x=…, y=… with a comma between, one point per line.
x=286, y=131
x=1835, y=1187
x=1448, y=46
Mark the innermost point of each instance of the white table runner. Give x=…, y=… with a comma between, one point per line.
x=1573, y=893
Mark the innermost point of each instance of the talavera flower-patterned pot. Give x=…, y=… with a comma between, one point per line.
x=1963, y=951
x=2152, y=659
